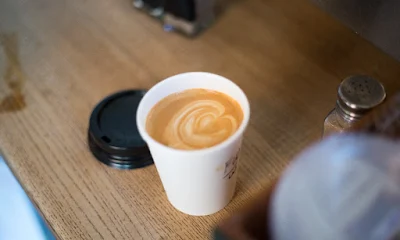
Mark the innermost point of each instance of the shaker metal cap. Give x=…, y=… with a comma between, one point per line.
x=358, y=94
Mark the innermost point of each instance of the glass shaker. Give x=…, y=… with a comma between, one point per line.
x=357, y=95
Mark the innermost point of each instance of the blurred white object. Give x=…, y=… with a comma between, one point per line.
x=346, y=187
x=18, y=218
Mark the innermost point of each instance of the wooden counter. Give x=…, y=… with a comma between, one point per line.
x=59, y=58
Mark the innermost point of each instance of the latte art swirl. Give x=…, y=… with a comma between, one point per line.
x=200, y=123
x=194, y=119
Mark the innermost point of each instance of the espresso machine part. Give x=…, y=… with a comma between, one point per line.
x=188, y=16
x=185, y=16
x=153, y=7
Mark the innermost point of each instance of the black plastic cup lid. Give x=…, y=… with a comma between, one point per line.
x=113, y=136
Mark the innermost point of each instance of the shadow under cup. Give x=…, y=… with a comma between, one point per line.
x=197, y=182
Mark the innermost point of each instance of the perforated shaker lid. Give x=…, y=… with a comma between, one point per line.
x=113, y=136
x=358, y=94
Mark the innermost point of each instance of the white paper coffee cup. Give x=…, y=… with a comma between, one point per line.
x=197, y=182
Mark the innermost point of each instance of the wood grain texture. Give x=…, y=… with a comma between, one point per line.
x=59, y=58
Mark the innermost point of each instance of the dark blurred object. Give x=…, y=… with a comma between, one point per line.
x=183, y=9
x=180, y=15
x=189, y=16
x=153, y=7
x=154, y=3
x=186, y=16
x=249, y=223
x=378, y=21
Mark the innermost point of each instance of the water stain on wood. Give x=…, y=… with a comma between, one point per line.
x=13, y=76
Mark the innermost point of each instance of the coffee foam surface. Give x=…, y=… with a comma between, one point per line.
x=194, y=119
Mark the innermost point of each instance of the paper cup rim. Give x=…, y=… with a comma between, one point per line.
x=239, y=132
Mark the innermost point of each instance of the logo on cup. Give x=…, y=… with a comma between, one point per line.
x=231, y=165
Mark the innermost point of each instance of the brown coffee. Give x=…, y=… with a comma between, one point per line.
x=194, y=119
